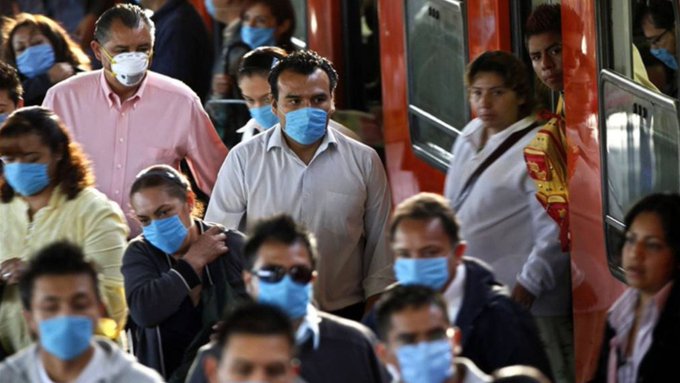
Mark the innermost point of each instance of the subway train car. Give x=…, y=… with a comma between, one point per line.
x=623, y=139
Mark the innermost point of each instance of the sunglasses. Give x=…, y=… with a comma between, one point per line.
x=654, y=40
x=274, y=274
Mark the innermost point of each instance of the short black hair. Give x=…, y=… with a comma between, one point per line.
x=426, y=206
x=302, y=62
x=9, y=81
x=402, y=297
x=545, y=18
x=661, y=12
x=260, y=61
x=129, y=14
x=58, y=258
x=279, y=228
x=252, y=318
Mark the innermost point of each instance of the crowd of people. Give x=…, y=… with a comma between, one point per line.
x=112, y=269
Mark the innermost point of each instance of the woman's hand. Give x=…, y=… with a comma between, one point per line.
x=209, y=246
x=11, y=270
x=60, y=72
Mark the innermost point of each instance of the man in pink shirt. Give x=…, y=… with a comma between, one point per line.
x=128, y=118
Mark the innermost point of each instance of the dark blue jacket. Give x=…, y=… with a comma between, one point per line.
x=496, y=332
x=659, y=364
x=182, y=49
x=167, y=325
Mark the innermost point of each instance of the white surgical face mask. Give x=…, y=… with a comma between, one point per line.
x=129, y=67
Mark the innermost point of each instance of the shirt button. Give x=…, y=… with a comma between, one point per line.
x=121, y=139
x=116, y=192
x=119, y=166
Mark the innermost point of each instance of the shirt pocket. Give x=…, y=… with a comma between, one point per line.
x=345, y=213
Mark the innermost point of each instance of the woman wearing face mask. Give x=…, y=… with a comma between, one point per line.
x=262, y=23
x=46, y=195
x=658, y=26
x=180, y=274
x=253, y=81
x=642, y=337
x=43, y=53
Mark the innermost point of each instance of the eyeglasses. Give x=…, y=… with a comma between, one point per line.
x=274, y=274
x=655, y=39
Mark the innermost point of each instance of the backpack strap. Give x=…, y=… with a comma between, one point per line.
x=502, y=148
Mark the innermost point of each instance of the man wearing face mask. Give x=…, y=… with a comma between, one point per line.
x=62, y=306
x=417, y=341
x=128, y=118
x=495, y=331
x=332, y=184
x=281, y=256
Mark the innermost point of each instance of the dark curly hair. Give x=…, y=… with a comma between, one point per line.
x=545, y=18
x=302, y=62
x=65, y=49
x=9, y=81
x=73, y=172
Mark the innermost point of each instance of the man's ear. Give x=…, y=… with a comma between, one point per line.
x=210, y=368
x=94, y=45
x=32, y=325
x=459, y=251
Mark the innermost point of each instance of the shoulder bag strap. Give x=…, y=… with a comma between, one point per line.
x=502, y=148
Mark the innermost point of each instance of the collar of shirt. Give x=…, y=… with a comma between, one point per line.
x=276, y=140
x=309, y=327
x=622, y=313
x=474, y=135
x=57, y=199
x=454, y=294
x=113, y=98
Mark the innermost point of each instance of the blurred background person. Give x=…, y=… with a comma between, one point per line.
x=182, y=48
x=47, y=195
x=257, y=344
x=43, y=53
x=62, y=306
x=262, y=23
x=76, y=16
x=642, y=336
x=657, y=21
x=180, y=274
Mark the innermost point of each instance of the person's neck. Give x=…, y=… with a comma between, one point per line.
x=304, y=152
x=123, y=92
x=194, y=233
x=38, y=201
x=65, y=371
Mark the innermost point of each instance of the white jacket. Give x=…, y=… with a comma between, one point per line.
x=503, y=222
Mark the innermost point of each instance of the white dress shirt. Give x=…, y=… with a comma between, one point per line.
x=342, y=196
x=503, y=222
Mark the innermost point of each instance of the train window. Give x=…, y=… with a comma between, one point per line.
x=641, y=143
x=616, y=37
x=436, y=54
x=300, y=34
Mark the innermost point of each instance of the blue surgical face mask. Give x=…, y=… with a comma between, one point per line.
x=426, y=362
x=66, y=337
x=290, y=296
x=210, y=7
x=666, y=57
x=264, y=116
x=257, y=37
x=167, y=234
x=36, y=60
x=306, y=125
x=430, y=272
x=27, y=179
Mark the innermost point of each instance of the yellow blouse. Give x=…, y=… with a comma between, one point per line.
x=91, y=221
